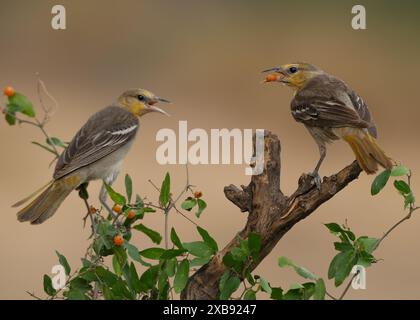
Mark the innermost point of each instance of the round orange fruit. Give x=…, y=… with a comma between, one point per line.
x=118, y=240
x=9, y=91
x=131, y=214
x=117, y=208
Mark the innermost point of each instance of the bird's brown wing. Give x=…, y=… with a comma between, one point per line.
x=363, y=111
x=104, y=132
x=325, y=102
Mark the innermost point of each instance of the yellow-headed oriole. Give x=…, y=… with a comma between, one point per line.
x=96, y=152
x=331, y=110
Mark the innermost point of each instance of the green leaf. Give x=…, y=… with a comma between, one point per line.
x=365, y=259
x=238, y=254
x=341, y=265
x=13, y=108
x=293, y=294
x=343, y=246
x=48, y=288
x=402, y=186
x=276, y=293
x=165, y=191
x=152, y=253
x=265, y=286
x=175, y=239
x=53, y=141
x=225, y=276
x=120, y=290
x=250, y=278
x=148, y=278
x=133, y=252
x=80, y=284
x=116, y=265
x=308, y=290
x=408, y=199
x=121, y=255
x=106, y=276
x=344, y=234
x=320, y=290
x=139, y=202
x=115, y=196
x=198, y=248
x=250, y=295
x=367, y=244
x=26, y=107
x=208, y=239
x=294, y=286
x=199, y=261
x=63, y=261
x=10, y=118
x=128, y=187
x=286, y=262
x=399, y=171
x=43, y=147
x=134, y=278
x=181, y=276
x=76, y=294
x=188, y=204
x=228, y=287
x=254, y=244
x=163, y=286
x=83, y=193
x=172, y=253
x=152, y=234
x=380, y=181
x=201, y=206
x=170, y=267
x=334, y=227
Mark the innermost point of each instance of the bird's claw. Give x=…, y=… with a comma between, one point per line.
x=317, y=179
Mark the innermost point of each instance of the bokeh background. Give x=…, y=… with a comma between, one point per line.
x=206, y=56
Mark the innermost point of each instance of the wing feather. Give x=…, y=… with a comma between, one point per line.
x=327, y=102
x=105, y=132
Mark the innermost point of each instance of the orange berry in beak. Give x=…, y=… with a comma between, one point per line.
x=270, y=78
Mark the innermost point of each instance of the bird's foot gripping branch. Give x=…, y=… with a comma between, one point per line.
x=114, y=268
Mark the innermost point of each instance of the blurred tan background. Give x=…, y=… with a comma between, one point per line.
x=206, y=56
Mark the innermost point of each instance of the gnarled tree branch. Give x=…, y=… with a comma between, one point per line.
x=271, y=214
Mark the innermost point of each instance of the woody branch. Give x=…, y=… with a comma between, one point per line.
x=271, y=213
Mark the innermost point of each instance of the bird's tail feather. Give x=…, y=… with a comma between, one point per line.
x=33, y=194
x=47, y=203
x=368, y=153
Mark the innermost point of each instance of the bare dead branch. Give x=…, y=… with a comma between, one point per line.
x=271, y=214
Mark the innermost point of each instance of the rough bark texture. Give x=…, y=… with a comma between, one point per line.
x=271, y=214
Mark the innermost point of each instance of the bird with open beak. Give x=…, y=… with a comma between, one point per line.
x=331, y=110
x=95, y=153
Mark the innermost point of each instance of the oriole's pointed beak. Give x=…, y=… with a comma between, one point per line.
x=275, y=69
x=162, y=100
x=153, y=108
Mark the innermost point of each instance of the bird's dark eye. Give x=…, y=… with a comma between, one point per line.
x=141, y=97
x=293, y=69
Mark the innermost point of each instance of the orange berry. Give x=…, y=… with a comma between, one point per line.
x=131, y=214
x=198, y=194
x=117, y=208
x=9, y=91
x=118, y=240
x=271, y=77
x=92, y=209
